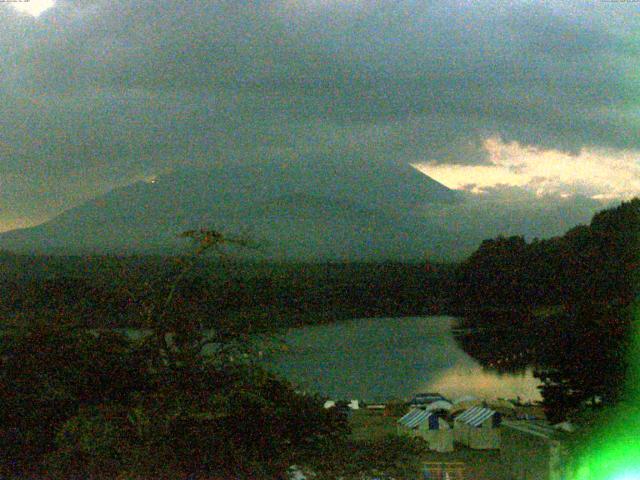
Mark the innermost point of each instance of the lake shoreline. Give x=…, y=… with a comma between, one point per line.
x=385, y=358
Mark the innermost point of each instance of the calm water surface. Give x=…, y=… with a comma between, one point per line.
x=382, y=358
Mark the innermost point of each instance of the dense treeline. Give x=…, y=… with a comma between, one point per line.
x=508, y=273
x=80, y=405
x=282, y=295
x=588, y=266
x=568, y=298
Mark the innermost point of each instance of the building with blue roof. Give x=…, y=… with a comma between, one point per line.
x=428, y=426
x=478, y=427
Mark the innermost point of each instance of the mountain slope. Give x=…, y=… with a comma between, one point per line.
x=269, y=205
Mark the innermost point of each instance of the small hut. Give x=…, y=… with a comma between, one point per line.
x=428, y=426
x=478, y=428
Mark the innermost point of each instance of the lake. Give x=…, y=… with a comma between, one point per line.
x=383, y=358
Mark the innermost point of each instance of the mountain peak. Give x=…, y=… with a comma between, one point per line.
x=348, y=214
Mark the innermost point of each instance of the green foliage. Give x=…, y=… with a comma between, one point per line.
x=592, y=273
x=245, y=424
x=80, y=403
x=493, y=275
x=46, y=372
x=588, y=366
x=102, y=293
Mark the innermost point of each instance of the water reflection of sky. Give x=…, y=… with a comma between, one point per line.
x=386, y=358
x=474, y=380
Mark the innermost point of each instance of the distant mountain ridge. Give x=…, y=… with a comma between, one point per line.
x=295, y=213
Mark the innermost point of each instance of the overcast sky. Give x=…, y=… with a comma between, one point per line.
x=503, y=99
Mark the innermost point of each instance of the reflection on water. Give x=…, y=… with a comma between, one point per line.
x=462, y=380
x=391, y=358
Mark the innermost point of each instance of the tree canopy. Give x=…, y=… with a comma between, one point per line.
x=592, y=275
x=99, y=403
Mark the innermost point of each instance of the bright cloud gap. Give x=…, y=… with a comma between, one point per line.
x=601, y=174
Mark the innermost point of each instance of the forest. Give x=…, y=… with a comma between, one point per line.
x=108, y=291
x=567, y=301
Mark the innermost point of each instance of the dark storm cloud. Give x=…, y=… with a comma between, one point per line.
x=97, y=93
